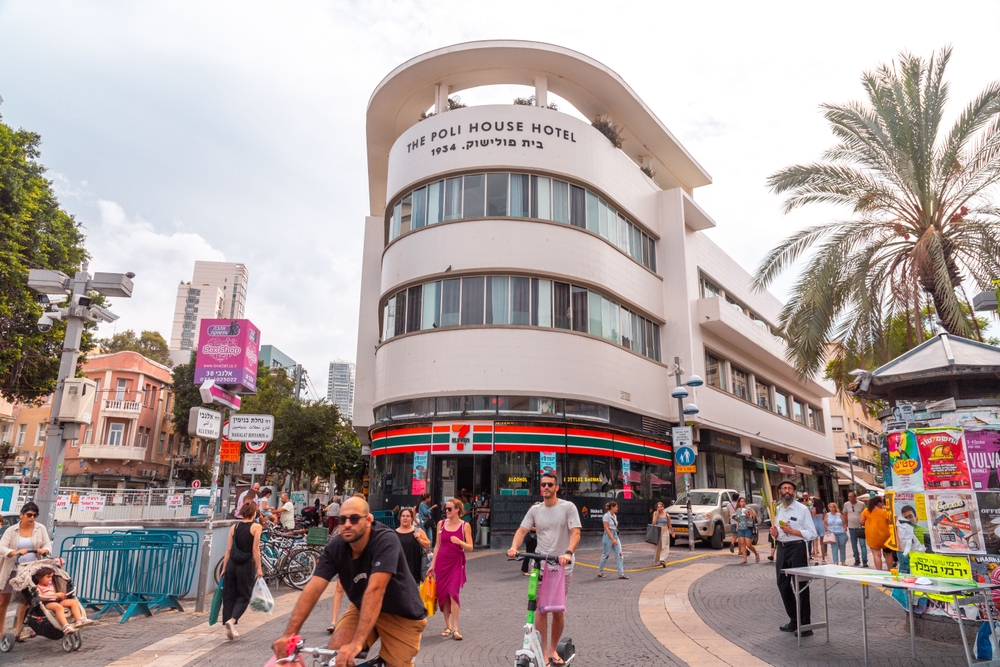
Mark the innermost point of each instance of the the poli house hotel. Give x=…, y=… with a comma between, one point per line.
x=526, y=287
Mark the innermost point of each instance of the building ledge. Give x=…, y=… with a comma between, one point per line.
x=112, y=452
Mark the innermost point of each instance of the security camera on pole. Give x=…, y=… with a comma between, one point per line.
x=683, y=439
x=69, y=401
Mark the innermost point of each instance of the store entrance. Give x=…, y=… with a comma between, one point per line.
x=452, y=474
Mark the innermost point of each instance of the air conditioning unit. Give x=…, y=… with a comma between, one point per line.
x=21, y=459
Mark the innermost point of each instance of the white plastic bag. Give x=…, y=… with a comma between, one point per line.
x=262, y=600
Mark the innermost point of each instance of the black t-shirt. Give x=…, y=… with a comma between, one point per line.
x=383, y=554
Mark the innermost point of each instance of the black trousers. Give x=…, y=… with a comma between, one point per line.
x=530, y=544
x=792, y=554
x=237, y=589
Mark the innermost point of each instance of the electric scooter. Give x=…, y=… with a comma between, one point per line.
x=530, y=654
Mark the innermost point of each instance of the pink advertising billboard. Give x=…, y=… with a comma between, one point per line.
x=227, y=354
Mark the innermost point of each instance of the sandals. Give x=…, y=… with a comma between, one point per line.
x=456, y=636
x=601, y=575
x=331, y=628
x=446, y=633
x=556, y=662
x=623, y=577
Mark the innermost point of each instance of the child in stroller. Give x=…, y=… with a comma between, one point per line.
x=48, y=592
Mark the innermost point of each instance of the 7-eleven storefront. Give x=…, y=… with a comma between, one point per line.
x=502, y=461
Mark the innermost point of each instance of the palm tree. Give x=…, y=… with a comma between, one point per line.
x=922, y=221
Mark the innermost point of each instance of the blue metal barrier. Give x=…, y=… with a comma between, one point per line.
x=386, y=517
x=131, y=571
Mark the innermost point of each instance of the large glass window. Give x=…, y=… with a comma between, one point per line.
x=577, y=206
x=496, y=194
x=435, y=202
x=481, y=405
x=520, y=300
x=560, y=201
x=400, y=314
x=541, y=301
x=594, y=308
x=579, y=308
x=431, y=318
x=449, y=405
x=473, y=292
x=419, y=208
x=453, y=199
x=586, y=475
x=413, y=308
x=582, y=409
x=562, y=315
x=497, y=299
x=714, y=376
x=519, y=195
x=406, y=216
x=593, y=214
x=541, y=197
x=763, y=392
x=798, y=412
x=781, y=402
x=741, y=384
x=451, y=291
x=474, y=194
x=517, y=473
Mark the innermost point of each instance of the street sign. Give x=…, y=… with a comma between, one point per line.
x=204, y=423
x=256, y=447
x=175, y=501
x=251, y=428
x=682, y=436
x=196, y=484
x=684, y=460
x=229, y=451
x=253, y=464
x=213, y=394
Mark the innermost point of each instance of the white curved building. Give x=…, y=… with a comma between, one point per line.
x=526, y=287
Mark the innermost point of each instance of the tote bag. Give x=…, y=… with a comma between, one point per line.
x=552, y=592
x=653, y=534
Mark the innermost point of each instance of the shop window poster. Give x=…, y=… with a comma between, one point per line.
x=904, y=461
x=419, y=485
x=626, y=482
x=942, y=457
x=912, y=508
x=953, y=519
x=547, y=461
x=989, y=518
x=983, y=449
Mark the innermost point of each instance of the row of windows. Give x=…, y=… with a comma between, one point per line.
x=519, y=196
x=709, y=289
x=517, y=300
x=727, y=376
x=454, y=406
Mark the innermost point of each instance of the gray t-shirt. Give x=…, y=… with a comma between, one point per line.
x=553, y=525
x=854, y=513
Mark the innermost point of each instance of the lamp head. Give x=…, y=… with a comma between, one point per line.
x=691, y=409
x=679, y=392
x=695, y=381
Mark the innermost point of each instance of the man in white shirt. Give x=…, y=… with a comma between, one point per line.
x=852, y=519
x=793, y=529
x=286, y=513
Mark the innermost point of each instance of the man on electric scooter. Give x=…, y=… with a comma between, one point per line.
x=557, y=524
x=385, y=600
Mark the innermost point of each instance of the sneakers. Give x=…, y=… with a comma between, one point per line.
x=857, y=563
x=231, y=632
x=787, y=627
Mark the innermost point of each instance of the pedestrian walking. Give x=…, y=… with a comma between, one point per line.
x=819, y=523
x=852, y=516
x=793, y=531
x=611, y=541
x=448, y=564
x=332, y=512
x=242, y=567
x=557, y=524
x=875, y=520
x=730, y=509
x=662, y=551
x=835, y=525
x=412, y=537
x=745, y=520
x=24, y=536
x=424, y=510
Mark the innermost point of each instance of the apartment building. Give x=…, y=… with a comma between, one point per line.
x=340, y=387
x=216, y=290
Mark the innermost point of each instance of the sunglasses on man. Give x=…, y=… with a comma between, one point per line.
x=351, y=518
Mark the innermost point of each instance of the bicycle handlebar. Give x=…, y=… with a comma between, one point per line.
x=525, y=555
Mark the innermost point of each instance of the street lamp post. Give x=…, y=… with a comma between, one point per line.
x=680, y=393
x=79, y=309
x=850, y=459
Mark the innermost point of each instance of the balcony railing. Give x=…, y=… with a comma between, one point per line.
x=112, y=452
x=129, y=408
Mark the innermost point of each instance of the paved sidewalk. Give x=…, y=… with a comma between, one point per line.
x=741, y=603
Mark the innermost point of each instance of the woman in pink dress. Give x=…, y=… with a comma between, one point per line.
x=448, y=563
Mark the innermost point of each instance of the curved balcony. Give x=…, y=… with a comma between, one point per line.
x=121, y=408
x=106, y=452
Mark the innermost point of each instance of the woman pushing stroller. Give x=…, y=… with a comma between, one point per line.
x=22, y=543
x=58, y=602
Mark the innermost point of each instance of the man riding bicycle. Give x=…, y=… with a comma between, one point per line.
x=385, y=600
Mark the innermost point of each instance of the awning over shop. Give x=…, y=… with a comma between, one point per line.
x=844, y=479
x=771, y=467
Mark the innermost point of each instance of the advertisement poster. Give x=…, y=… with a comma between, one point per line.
x=626, y=475
x=989, y=519
x=983, y=449
x=986, y=570
x=912, y=508
x=227, y=354
x=942, y=457
x=547, y=461
x=419, y=485
x=953, y=518
x=937, y=566
x=904, y=461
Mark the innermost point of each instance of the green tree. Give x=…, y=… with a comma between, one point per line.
x=304, y=444
x=149, y=344
x=34, y=234
x=348, y=463
x=922, y=221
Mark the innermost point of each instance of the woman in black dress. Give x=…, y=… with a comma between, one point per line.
x=414, y=542
x=241, y=566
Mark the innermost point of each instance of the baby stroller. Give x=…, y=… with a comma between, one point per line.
x=38, y=618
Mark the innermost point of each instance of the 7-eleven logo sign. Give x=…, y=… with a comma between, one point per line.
x=461, y=435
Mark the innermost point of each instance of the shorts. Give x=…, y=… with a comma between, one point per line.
x=400, y=636
x=746, y=532
x=7, y=589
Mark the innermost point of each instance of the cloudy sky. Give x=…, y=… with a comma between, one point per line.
x=177, y=131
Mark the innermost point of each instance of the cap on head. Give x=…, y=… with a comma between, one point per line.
x=788, y=482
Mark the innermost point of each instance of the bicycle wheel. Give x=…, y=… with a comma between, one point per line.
x=298, y=566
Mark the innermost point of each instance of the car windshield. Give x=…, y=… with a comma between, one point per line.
x=700, y=498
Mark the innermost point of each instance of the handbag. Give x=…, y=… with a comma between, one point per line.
x=213, y=613
x=653, y=534
x=428, y=594
x=829, y=538
x=861, y=533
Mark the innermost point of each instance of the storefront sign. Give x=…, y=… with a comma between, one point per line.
x=227, y=354
x=581, y=480
x=722, y=442
x=953, y=519
x=940, y=567
x=517, y=480
x=983, y=449
x=418, y=485
x=942, y=455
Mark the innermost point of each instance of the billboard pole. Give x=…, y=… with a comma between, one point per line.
x=206, y=549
